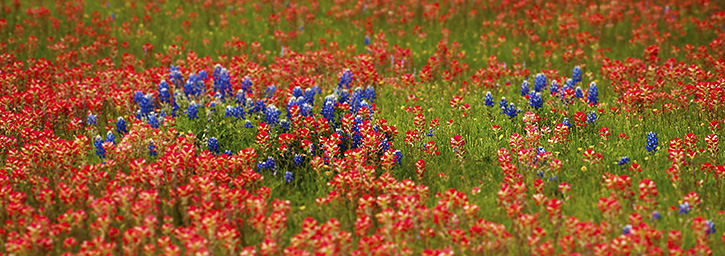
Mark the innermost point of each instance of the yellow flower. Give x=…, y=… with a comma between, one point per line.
x=302, y=207
x=584, y=168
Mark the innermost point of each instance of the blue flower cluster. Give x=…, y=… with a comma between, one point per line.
x=577, y=74
x=270, y=91
x=539, y=82
x=593, y=94
x=524, y=88
x=110, y=137
x=622, y=162
x=288, y=177
x=345, y=79
x=234, y=112
x=398, y=157
x=554, y=88
x=213, y=146
x=192, y=111
x=488, y=101
x=175, y=76
x=164, y=93
x=92, y=119
x=246, y=85
x=268, y=164
x=298, y=160
x=685, y=208
x=153, y=121
x=578, y=93
x=222, y=82
x=511, y=111
x=592, y=118
x=152, y=148
x=710, y=227
x=98, y=144
x=535, y=100
x=121, y=126
x=271, y=115
x=651, y=142
x=194, y=86
x=145, y=104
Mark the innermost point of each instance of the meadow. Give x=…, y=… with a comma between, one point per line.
x=397, y=127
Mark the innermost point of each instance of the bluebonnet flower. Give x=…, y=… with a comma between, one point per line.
x=98, y=144
x=270, y=91
x=622, y=162
x=306, y=110
x=256, y=107
x=145, y=103
x=175, y=106
x=569, y=84
x=164, y=94
x=192, y=111
x=511, y=111
x=685, y=208
x=627, y=229
x=271, y=115
x=121, y=126
x=175, y=76
x=554, y=88
x=248, y=124
x=591, y=118
x=540, y=174
x=651, y=142
x=430, y=132
x=92, y=119
x=222, y=81
x=288, y=177
x=194, y=86
x=576, y=75
x=152, y=148
x=268, y=164
x=656, y=215
x=369, y=94
x=398, y=157
x=566, y=122
x=241, y=99
x=231, y=112
x=535, y=100
x=524, y=88
x=328, y=108
x=310, y=94
x=110, y=137
x=297, y=92
x=345, y=79
x=246, y=85
x=367, y=40
x=153, y=121
x=213, y=146
x=298, y=160
x=503, y=104
x=710, y=227
x=578, y=93
x=593, y=94
x=113, y=16
x=488, y=101
x=228, y=152
x=281, y=52
x=552, y=178
x=539, y=82
x=284, y=124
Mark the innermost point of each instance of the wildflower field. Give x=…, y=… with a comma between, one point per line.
x=362, y=127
